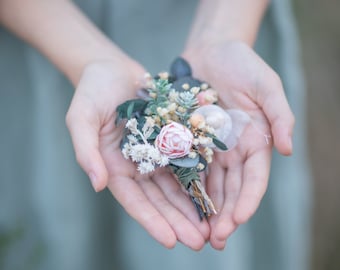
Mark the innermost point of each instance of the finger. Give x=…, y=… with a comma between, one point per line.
x=84, y=132
x=185, y=231
x=215, y=183
x=224, y=223
x=255, y=180
x=137, y=205
x=177, y=197
x=272, y=99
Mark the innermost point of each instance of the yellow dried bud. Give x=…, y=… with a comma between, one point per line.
x=195, y=90
x=186, y=86
x=163, y=75
x=152, y=95
x=172, y=107
x=180, y=109
x=196, y=119
x=204, y=86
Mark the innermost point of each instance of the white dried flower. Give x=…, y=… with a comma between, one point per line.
x=132, y=125
x=138, y=152
x=150, y=121
x=208, y=159
x=208, y=154
x=205, y=140
x=153, y=153
x=208, y=151
x=162, y=111
x=209, y=129
x=192, y=154
x=148, y=127
x=163, y=161
x=200, y=166
x=132, y=139
x=145, y=167
x=196, y=141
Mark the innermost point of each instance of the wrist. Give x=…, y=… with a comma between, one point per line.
x=199, y=55
x=219, y=21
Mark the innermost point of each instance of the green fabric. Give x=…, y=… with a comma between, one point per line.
x=51, y=219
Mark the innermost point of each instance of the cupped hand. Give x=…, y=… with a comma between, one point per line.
x=238, y=179
x=156, y=201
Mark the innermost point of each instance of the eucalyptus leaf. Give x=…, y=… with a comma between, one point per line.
x=138, y=105
x=129, y=110
x=185, y=162
x=219, y=144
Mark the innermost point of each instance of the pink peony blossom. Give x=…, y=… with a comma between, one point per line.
x=174, y=140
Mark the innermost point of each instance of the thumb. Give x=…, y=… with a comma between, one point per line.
x=85, y=137
x=273, y=101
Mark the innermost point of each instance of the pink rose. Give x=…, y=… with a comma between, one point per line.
x=174, y=140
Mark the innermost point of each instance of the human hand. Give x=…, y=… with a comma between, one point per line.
x=155, y=201
x=238, y=179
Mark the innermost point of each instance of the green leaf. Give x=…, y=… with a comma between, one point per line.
x=186, y=175
x=185, y=162
x=129, y=108
x=219, y=144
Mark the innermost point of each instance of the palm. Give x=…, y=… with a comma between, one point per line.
x=238, y=179
x=155, y=201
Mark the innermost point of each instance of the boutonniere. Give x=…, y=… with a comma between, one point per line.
x=177, y=123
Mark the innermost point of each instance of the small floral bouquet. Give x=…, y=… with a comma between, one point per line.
x=176, y=123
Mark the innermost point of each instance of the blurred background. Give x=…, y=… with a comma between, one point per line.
x=319, y=27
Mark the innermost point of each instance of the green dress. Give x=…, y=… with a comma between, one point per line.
x=50, y=218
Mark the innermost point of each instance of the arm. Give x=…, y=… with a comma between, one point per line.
x=104, y=77
x=50, y=26
x=220, y=50
x=221, y=20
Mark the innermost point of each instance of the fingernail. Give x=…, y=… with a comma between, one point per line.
x=93, y=179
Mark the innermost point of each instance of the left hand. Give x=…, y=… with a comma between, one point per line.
x=238, y=179
x=155, y=200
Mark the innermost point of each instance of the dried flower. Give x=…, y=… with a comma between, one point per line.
x=185, y=86
x=195, y=90
x=132, y=125
x=196, y=119
x=174, y=140
x=145, y=167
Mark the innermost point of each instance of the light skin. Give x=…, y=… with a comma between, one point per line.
x=219, y=49
x=104, y=76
